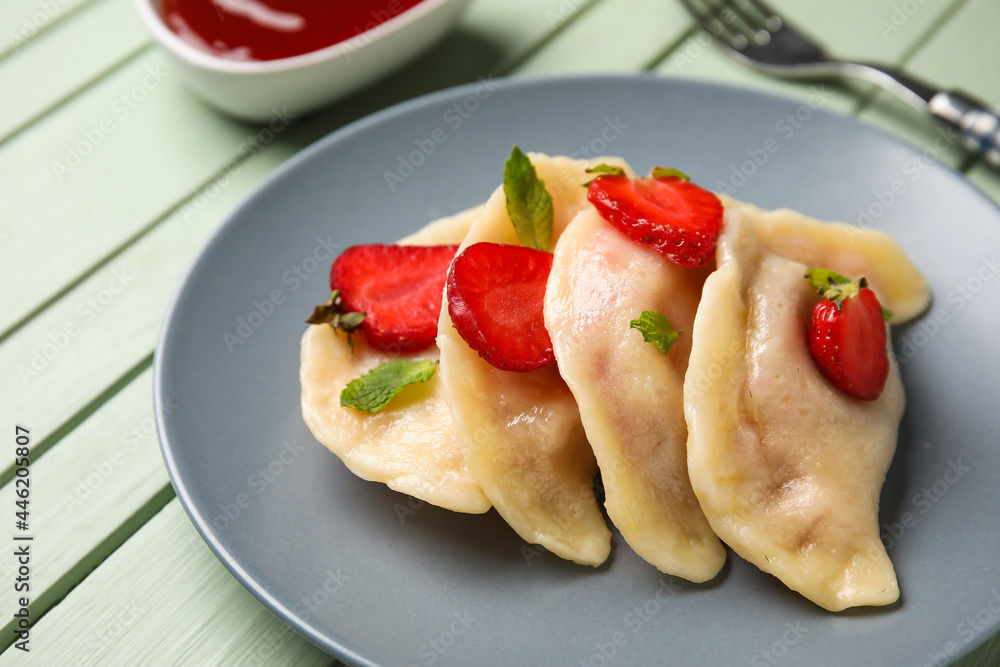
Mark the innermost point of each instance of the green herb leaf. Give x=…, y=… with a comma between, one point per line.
x=656, y=329
x=663, y=172
x=529, y=204
x=373, y=391
x=886, y=313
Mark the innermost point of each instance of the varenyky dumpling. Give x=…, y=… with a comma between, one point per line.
x=629, y=393
x=521, y=433
x=410, y=445
x=788, y=469
x=849, y=250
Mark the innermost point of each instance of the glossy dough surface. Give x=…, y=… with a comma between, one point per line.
x=788, y=469
x=629, y=393
x=410, y=445
x=847, y=249
x=521, y=433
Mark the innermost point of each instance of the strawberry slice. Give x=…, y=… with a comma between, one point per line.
x=495, y=297
x=398, y=288
x=847, y=334
x=668, y=213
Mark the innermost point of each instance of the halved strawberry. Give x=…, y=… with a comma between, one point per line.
x=669, y=213
x=495, y=297
x=399, y=289
x=847, y=334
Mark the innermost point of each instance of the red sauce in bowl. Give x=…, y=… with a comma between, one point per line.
x=272, y=29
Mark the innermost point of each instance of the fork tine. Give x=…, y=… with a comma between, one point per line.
x=754, y=22
x=747, y=13
x=715, y=26
x=772, y=20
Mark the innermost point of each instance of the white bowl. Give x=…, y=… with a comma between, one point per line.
x=253, y=90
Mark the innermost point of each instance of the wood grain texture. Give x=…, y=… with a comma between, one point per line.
x=108, y=323
x=959, y=54
x=69, y=57
x=100, y=478
x=22, y=21
x=142, y=144
x=608, y=38
x=164, y=599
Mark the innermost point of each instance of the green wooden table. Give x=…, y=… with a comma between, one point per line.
x=112, y=176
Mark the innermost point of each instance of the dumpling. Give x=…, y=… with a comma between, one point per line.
x=629, y=393
x=847, y=249
x=410, y=445
x=787, y=468
x=520, y=433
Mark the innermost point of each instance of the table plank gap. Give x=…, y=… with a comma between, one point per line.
x=670, y=49
x=614, y=36
x=75, y=93
x=118, y=615
x=57, y=592
x=80, y=415
x=926, y=37
x=986, y=655
x=954, y=56
x=511, y=64
x=100, y=484
x=29, y=10
x=123, y=247
x=70, y=94
x=102, y=33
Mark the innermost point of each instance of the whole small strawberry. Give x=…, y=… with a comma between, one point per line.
x=666, y=211
x=847, y=334
x=398, y=288
x=495, y=297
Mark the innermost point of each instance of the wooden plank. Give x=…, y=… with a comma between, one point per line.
x=22, y=21
x=98, y=171
x=613, y=36
x=987, y=655
x=962, y=54
x=99, y=35
x=148, y=605
x=158, y=150
x=92, y=492
x=108, y=323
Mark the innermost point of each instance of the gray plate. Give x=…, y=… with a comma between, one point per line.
x=376, y=579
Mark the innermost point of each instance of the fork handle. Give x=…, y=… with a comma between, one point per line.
x=978, y=123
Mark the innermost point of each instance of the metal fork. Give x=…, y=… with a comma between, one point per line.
x=756, y=35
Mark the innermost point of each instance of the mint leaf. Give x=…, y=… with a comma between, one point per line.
x=663, y=172
x=529, y=204
x=372, y=391
x=656, y=329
